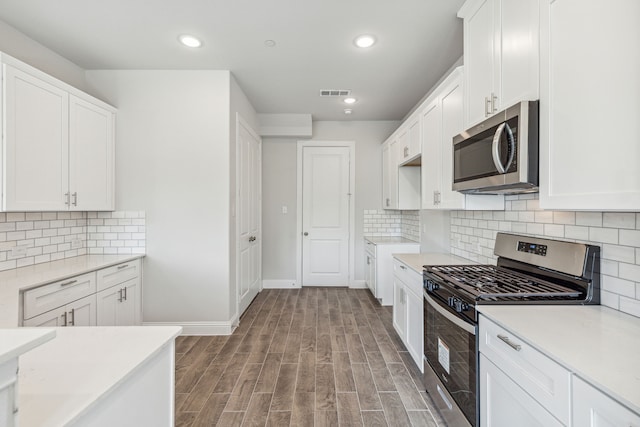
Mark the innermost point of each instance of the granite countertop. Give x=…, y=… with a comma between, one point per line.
x=12, y=282
x=597, y=343
x=390, y=240
x=417, y=261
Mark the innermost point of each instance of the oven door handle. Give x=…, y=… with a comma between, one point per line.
x=496, y=147
x=450, y=316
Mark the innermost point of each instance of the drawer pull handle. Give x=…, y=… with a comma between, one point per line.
x=70, y=282
x=403, y=267
x=516, y=347
x=120, y=267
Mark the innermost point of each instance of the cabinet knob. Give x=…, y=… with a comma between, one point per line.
x=305, y=234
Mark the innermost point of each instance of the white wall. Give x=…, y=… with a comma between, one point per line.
x=279, y=188
x=33, y=53
x=172, y=161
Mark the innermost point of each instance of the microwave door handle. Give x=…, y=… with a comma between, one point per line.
x=496, y=148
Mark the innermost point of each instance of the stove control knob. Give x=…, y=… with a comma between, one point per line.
x=461, y=306
x=431, y=285
x=452, y=301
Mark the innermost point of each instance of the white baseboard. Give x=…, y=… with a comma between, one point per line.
x=358, y=284
x=279, y=284
x=200, y=328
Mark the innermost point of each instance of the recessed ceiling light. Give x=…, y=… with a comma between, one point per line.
x=350, y=100
x=348, y=111
x=365, y=41
x=189, y=41
x=270, y=43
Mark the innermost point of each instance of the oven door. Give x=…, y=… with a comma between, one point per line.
x=451, y=352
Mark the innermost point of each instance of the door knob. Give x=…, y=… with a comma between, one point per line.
x=305, y=234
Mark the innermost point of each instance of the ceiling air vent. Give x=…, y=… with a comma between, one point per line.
x=335, y=92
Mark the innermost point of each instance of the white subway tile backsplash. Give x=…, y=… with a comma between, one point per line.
x=629, y=272
x=619, y=220
x=50, y=236
x=631, y=306
x=589, y=218
x=630, y=237
x=376, y=223
x=617, y=233
x=603, y=235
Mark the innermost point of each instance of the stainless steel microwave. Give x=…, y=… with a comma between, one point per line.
x=499, y=155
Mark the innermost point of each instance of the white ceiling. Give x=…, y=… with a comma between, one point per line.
x=418, y=40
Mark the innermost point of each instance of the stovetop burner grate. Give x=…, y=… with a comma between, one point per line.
x=490, y=282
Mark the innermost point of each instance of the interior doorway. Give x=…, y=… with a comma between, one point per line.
x=326, y=182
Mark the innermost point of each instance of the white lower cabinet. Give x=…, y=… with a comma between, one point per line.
x=408, y=315
x=399, y=309
x=77, y=313
x=593, y=408
x=520, y=386
x=504, y=403
x=117, y=305
x=381, y=254
x=107, y=297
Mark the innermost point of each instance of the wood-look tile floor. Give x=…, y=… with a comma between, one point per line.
x=303, y=357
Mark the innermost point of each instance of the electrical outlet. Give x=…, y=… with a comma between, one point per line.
x=285, y=210
x=76, y=243
x=19, y=251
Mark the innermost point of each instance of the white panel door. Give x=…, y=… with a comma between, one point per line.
x=91, y=152
x=35, y=142
x=82, y=312
x=325, y=216
x=249, y=273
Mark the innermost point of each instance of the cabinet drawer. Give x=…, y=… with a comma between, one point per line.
x=57, y=294
x=112, y=276
x=411, y=279
x=542, y=378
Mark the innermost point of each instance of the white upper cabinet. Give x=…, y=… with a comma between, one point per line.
x=35, y=143
x=58, y=144
x=590, y=105
x=91, y=152
x=409, y=140
x=501, y=44
x=441, y=119
x=401, y=184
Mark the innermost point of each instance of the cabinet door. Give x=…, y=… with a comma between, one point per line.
x=91, y=152
x=415, y=141
x=35, y=143
x=451, y=105
x=403, y=144
x=399, y=310
x=82, y=312
x=386, y=153
x=431, y=141
x=518, y=54
x=589, y=105
x=393, y=174
x=504, y=404
x=593, y=408
x=129, y=310
x=415, y=327
x=57, y=317
x=479, y=57
x=107, y=304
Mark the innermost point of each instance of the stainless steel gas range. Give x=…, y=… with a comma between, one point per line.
x=529, y=270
